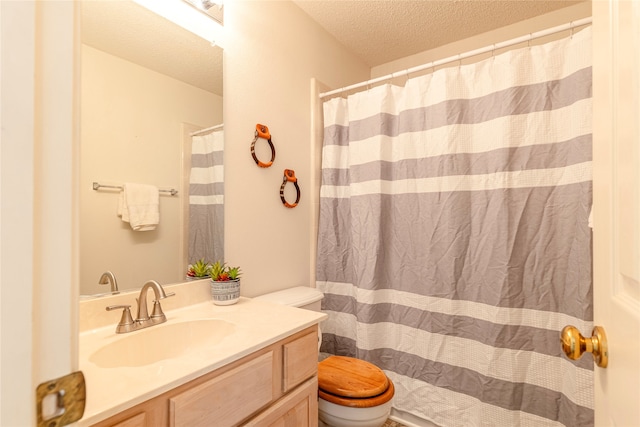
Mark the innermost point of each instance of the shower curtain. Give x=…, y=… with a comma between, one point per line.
x=206, y=198
x=454, y=240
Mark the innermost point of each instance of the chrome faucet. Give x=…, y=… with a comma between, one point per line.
x=109, y=278
x=143, y=320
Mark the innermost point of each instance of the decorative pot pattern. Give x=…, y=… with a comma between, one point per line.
x=226, y=292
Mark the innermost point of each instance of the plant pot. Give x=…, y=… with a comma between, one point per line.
x=225, y=293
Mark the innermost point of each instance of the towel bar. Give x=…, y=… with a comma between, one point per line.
x=97, y=186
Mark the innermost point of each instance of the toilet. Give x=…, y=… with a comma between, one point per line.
x=351, y=392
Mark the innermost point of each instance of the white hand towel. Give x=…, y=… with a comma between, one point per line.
x=139, y=205
x=122, y=207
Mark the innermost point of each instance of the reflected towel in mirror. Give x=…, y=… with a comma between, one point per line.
x=139, y=205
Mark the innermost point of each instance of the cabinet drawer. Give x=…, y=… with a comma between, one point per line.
x=228, y=399
x=300, y=360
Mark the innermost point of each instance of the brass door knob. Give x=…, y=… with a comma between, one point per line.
x=574, y=344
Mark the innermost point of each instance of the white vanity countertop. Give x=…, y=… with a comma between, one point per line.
x=256, y=324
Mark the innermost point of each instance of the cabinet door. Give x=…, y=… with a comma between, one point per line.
x=300, y=360
x=225, y=400
x=297, y=409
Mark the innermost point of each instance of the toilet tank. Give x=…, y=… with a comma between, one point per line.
x=299, y=296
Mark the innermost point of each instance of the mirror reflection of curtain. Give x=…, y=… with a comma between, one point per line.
x=206, y=198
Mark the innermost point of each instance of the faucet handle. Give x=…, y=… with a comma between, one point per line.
x=158, y=315
x=126, y=323
x=126, y=307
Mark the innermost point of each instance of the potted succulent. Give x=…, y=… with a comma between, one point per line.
x=225, y=283
x=199, y=270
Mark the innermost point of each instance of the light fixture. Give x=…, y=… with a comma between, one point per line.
x=189, y=18
x=204, y=4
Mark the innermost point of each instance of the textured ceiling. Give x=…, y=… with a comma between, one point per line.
x=131, y=32
x=377, y=31
x=385, y=30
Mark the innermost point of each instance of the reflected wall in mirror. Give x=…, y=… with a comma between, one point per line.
x=145, y=85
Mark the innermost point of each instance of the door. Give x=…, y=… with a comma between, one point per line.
x=616, y=215
x=38, y=305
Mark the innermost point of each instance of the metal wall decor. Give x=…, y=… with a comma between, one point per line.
x=262, y=131
x=289, y=176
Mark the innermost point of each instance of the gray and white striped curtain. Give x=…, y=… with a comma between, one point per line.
x=454, y=242
x=206, y=198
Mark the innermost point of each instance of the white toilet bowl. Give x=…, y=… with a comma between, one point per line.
x=352, y=392
x=332, y=415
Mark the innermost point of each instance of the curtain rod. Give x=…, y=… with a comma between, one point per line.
x=493, y=47
x=212, y=128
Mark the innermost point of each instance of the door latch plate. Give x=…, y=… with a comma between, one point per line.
x=66, y=397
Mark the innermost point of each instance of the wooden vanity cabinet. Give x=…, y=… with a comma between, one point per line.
x=297, y=409
x=275, y=386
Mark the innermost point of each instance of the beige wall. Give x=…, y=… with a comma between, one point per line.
x=275, y=52
x=272, y=52
x=131, y=120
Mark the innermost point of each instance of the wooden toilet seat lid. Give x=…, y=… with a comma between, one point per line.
x=367, y=402
x=352, y=378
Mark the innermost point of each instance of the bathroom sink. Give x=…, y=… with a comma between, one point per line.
x=161, y=342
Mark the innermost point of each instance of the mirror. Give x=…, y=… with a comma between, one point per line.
x=146, y=84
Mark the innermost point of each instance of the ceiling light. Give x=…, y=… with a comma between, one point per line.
x=189, y=18
x=204, y=4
